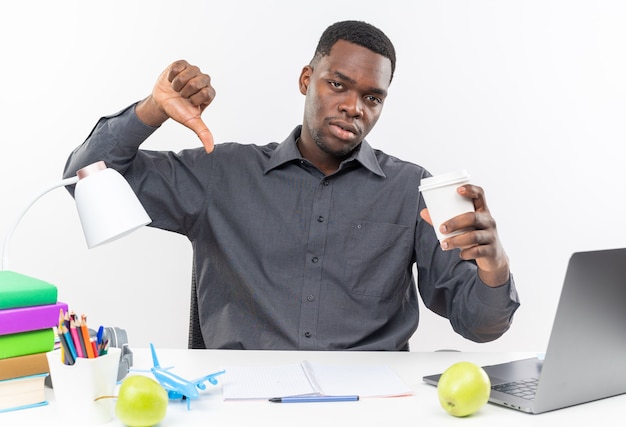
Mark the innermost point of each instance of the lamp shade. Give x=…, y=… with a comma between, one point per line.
x=107, y=206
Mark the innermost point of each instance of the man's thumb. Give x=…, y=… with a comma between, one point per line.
x=426, y=216
x=203, y=132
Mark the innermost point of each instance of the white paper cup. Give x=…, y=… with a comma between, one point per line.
x=443, y=200
x=76, y=386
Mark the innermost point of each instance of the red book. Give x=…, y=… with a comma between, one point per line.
x=23, y=319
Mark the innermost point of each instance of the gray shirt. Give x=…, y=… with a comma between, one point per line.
x=287, y=258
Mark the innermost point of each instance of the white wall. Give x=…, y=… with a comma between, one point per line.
x=529, y=96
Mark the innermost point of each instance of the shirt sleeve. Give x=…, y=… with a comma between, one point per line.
x=115, y=139
x=451, y=287
x=169, y=185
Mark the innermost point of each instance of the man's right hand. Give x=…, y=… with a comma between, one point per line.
x=182, y=92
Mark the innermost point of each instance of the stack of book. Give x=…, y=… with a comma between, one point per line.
x=29, y=313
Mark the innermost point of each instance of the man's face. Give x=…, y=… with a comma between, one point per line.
x=344, y=92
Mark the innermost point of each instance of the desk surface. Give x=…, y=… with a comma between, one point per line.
x=422, y=408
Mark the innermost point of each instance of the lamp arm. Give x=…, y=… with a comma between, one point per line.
x=7, y=239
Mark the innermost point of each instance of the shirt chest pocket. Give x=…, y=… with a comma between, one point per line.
x=377, y=258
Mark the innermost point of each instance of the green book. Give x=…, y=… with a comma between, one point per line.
x=31, y=342
x=18, y=290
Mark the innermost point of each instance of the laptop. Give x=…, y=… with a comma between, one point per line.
x=584, y=360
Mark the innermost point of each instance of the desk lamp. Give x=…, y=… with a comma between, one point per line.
x=107, y=207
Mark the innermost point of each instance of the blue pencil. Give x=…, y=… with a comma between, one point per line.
x=70, y=342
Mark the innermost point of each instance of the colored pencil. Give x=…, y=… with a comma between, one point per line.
x=94, y=348
x=80, y=346
x=85, y=335
x=67, y=357
x=69, y=341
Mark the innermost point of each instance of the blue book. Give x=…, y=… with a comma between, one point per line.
x=22, y=392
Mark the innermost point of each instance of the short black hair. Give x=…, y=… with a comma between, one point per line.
x=360, y=33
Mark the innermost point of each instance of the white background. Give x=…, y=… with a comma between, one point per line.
x=529, y=96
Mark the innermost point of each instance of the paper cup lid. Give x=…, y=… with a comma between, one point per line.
x=444, y=179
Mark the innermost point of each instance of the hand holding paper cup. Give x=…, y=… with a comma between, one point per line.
x=443, y=201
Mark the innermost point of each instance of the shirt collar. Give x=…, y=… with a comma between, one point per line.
x=287, y=151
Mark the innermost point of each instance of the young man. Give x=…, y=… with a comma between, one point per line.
x=310, y=243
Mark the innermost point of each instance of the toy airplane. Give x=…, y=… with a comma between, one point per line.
x=176, y=386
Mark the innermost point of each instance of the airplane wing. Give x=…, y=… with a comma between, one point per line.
x=199, y=382
x=155, y=360
x=176, y=386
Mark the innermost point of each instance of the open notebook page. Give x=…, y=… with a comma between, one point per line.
x=266, y=382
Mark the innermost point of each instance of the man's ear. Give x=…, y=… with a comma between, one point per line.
x=305, y=79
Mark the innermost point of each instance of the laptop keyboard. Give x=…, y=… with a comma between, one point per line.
x=524, y=388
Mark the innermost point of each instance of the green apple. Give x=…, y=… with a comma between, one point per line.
x=141, y=402
x=463, y=389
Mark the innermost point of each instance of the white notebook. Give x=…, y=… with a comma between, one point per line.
x=308, y=378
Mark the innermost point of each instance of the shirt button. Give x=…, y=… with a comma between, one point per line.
x=325, y=183
x=307, y=334
x=314, y=259
x=320, y=219
x=310, y=298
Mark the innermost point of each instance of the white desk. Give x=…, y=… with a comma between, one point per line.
x=420, y=409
